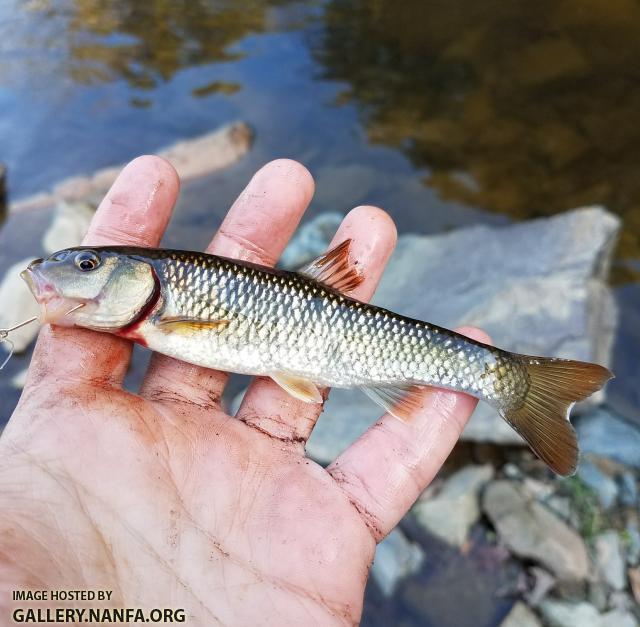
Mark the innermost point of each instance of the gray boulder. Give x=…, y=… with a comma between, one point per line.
x=396, y=557
x=603, y=485
x=70, y=223
x=610, y=561
x=520, y=616
x=618, y=618
x=604, y=433
x=311, y=240
x=567, y=614
x=530, y=530
x=451, y=513
x=537, y=287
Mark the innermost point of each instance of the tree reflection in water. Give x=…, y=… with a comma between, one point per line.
x=522, y=108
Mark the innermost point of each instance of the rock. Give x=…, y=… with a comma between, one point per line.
x=69, y=225
x=541, y=490
x=311, y=240
x=451, y=513
x=628, y=489
x=346, y=415
x=604, y=433
x=520, y=616
x=19, y=380
x=42, y=200
x=532, y=531
x=561, y=505
x=396, y=557
x=598, y=594
x=18, y=305
x=549, y=299
x=208, y=153
x=620, y=600
x=74, y=188
x=511, y=471
x=543, y=582
x=192, y=158
x=618, y=618
x=605, y=487
x=633, y=544
x=609, y=560
x=566, y=614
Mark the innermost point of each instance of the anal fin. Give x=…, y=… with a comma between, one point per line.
x=302, y=389
x=401, y=401
x=334, y=269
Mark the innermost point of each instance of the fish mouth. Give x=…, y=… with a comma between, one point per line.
x=54, y=308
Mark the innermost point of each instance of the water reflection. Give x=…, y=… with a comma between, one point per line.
x=145, y=43
x=522, y=108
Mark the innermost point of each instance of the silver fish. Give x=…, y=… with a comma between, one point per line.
x=302, y=330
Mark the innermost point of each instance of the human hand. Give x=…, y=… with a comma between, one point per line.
x=168, y=501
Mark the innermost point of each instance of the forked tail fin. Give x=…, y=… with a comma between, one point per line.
x=543, y=418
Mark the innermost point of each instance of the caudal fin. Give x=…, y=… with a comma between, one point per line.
x=543, y=418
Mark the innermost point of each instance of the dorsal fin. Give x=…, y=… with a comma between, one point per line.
x=334, y=269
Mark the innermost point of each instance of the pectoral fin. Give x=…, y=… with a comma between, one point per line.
x=299, y=388
x=335, y=269
x=188, y=326
x=401, y=401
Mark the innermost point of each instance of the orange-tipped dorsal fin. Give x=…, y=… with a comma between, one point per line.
x=334, y=269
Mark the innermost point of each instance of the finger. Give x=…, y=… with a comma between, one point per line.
x=268, y=407
x=256, y=229
x=135, y=211
x=387, y=468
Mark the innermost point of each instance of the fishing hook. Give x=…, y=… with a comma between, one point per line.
x=4, y=338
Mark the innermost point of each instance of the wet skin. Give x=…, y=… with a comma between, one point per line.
x=167, y=500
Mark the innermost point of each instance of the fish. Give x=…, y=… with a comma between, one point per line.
x=306, y=332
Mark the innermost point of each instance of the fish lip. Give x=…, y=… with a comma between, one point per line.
x=54, y=308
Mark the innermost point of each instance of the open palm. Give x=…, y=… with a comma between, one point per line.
x=168, y=501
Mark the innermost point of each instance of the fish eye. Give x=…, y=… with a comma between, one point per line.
x=87, y=260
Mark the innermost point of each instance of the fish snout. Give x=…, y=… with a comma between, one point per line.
x=39, y=286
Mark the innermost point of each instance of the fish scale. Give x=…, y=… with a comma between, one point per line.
x=296, y=326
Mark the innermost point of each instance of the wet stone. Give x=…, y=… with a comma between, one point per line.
x=531, y=531
x=69, y=224
x=521, y=616
x=604, y=433
x=604, y=486
x=609, y=559
x=396, y=557
x=628, y=489
x=450, y=514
